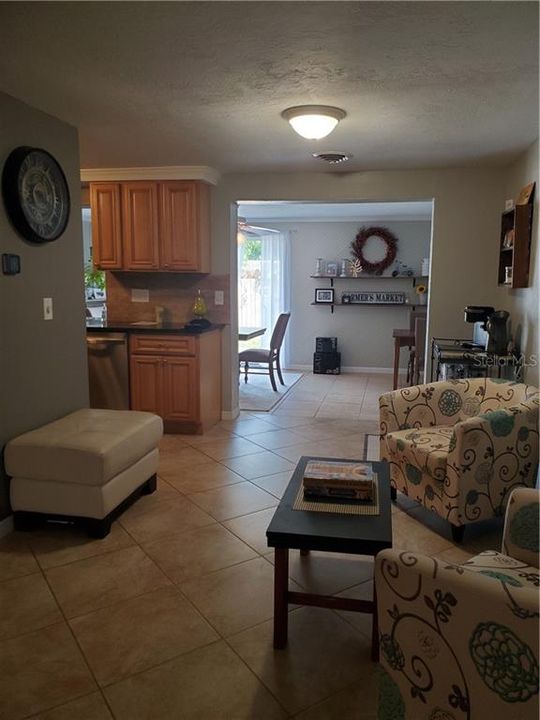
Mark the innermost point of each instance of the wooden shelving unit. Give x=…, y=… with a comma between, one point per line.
x=518, y=222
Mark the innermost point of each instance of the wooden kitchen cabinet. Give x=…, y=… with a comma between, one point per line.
x=148, y=226
x=140, y=226
x=184, y=231
x=106, y=226
x=177, y=377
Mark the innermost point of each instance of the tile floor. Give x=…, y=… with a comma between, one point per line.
x=171, y=615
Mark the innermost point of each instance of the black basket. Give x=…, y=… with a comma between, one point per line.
x=326, y=344
x=326, y=363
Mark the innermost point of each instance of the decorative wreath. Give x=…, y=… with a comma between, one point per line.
x=357, y=247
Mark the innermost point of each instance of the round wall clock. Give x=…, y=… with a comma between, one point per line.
x=36, y=194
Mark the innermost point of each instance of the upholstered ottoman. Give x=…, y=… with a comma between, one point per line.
x=88, y=465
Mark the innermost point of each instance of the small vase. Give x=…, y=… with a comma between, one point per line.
x=199, y=308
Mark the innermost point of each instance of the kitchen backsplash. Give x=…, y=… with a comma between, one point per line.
x=171, y=291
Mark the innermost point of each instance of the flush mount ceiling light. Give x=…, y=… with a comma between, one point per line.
x=313, y=122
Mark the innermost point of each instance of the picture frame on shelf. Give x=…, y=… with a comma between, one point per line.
x=331, y=268
x=324, y=296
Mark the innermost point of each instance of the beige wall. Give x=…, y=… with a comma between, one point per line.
x=467, y=205
x=522, y=304
x=43, y=371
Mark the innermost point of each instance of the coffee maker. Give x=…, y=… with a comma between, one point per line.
x=490, y=331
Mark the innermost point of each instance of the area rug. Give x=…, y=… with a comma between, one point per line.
x=257, y=393
x=371, y=447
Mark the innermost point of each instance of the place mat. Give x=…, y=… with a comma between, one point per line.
x=342, y=508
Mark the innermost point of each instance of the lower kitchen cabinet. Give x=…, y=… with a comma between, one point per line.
x=178, y=378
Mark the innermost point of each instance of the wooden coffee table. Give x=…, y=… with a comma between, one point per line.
x=329, y=532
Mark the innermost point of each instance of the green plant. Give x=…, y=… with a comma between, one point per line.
x=94, y=278
x=252, y=249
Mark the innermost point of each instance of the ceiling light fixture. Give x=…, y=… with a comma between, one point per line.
x=313, y=122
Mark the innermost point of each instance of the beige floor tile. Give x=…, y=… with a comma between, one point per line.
x=233, y=446
x=323, y=430
x=361, y=621
x=94, y=583
x=170, y=517
x=263, y=463
x=358, y=702
x=41, y=670
x=197, y=552
x=136, y=634
x=171, y=444
x=236, y=597
x=329, y=573
x=252, y=528
x=410, y=534
x=202, y=477
x=27, y=604
x=184, y=456
x=339, y=410
x=61, y=544
x=218, y=432
x=16, y=557
x=91, y=707
x=285, y=421
x=276, y=438
x=324, y=654
x=210, y=683
x=275, y=484
x=297, y=409
x=233, y=500
x=246, y=426
x=163, y=494
x=454, y=555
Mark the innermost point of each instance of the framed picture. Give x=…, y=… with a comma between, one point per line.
x=324, y=295
x=331, y=268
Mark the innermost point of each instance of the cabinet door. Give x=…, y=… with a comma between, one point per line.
x=140, y=225
x=179, y=388
x=184, y=226
x=106, y=226
x=146, y=383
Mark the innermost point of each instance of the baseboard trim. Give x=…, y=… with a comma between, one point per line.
x=230, y=414
x=6, y=526
x=350, y=369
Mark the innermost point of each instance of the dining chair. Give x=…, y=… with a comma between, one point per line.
x=405, y=337
x=267, y=357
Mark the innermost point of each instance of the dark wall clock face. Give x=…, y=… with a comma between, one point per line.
x=35, y=194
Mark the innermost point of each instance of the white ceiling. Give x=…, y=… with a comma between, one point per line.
x=334, y=212
x=425, y=84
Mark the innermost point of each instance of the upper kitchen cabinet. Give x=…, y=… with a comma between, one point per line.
x=185, y=227
x=140, y=226
x=151, y=226
x=106, y=226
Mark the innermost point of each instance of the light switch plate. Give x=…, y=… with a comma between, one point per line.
x=219, y=297
x=47, y=309
x=140, y=296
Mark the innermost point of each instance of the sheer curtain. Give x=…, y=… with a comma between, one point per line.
x=264, y=287
x=275, y=284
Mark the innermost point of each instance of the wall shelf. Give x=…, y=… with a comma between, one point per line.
x=413, y=278
x=516, y=226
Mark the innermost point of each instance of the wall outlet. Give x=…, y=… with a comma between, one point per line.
x=219, y=297
x=140, y=295
x=47, y=309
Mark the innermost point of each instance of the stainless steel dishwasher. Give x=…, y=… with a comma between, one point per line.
x=108, y=370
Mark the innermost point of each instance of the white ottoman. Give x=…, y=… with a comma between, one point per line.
x=90, y=464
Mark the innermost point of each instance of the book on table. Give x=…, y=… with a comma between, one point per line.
x=339, y=479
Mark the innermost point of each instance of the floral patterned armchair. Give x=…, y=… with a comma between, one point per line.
x=460, y=642
x=459, y=447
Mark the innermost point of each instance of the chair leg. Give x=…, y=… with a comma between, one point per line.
x=272, y=378
x=246, y=368
x=278, y=368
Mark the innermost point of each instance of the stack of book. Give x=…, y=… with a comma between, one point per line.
x=352, y=481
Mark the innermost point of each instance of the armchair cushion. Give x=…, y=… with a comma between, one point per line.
x=521, y=527
x=422, y=450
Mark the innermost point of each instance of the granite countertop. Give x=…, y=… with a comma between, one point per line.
x=135, y=327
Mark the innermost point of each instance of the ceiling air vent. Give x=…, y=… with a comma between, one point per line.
x=333, y=157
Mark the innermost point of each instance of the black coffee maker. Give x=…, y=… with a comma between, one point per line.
x=490, y=329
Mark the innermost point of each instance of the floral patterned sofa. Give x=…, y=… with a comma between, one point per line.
x=460, y=642
x=459, y=447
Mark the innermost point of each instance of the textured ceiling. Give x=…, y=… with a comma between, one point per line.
x=424, y=84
